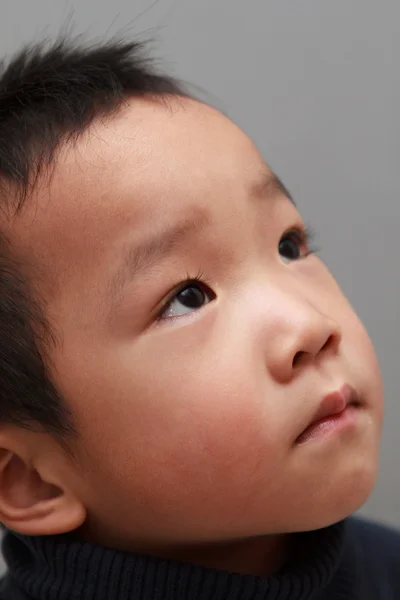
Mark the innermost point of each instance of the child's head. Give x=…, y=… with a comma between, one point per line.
x=167, y=334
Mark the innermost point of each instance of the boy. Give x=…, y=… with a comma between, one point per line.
x=190, y=409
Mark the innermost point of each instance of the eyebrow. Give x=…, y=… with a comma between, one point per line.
x=143, y=256
x=269, y=186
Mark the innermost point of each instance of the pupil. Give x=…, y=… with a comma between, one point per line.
x=289, y=249
x=191, y=297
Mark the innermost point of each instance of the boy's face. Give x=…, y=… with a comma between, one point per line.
x=190, y=397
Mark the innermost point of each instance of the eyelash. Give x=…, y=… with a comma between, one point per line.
x=303, y=235
x=198, y=279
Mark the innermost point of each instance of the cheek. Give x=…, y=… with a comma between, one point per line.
x=201, y=429
x=358, y=353
x=353, y=331
x=207, y=415
x=363, y=360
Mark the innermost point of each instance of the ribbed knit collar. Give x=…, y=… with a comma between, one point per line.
x=61, y=568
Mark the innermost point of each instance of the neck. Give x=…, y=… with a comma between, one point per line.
x=256, y=556
x=262, y=555
x=54, y=567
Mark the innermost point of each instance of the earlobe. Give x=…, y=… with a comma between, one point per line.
x=34, y=502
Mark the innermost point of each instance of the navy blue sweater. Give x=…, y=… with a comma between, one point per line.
x=353, y=560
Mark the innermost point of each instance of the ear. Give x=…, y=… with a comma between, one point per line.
x=36, y=491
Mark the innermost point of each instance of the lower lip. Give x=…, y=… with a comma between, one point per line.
x=334, y=424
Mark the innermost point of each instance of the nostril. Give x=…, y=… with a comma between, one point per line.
x=329, y=342
x=303, y=356
x=297, y=358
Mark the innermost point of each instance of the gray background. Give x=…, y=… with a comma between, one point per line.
x=316, y=84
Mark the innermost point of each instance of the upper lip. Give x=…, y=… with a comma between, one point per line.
x=333, y=404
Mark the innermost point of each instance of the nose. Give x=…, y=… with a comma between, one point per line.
x=300, y=335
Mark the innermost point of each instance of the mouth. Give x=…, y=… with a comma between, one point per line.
x=337, y=411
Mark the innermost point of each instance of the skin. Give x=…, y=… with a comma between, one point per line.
x=188, y=424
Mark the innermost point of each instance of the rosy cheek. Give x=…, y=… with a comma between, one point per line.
x=225, y=429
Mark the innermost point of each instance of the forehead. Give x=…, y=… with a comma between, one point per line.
x=153, y=161
x=148, y=149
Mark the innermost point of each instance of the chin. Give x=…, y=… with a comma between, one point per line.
x=352, y=491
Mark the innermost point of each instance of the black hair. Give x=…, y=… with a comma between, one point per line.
x=49, y=94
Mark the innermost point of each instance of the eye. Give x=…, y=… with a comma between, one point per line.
x=189, y=297
x=294, y=244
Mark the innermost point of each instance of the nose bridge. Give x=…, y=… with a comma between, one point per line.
x=299, y=306
x=297, y=328
x=292, y=303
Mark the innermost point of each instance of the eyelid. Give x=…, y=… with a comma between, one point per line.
x=175, y=292
x=198, y=279
x=305, y=236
